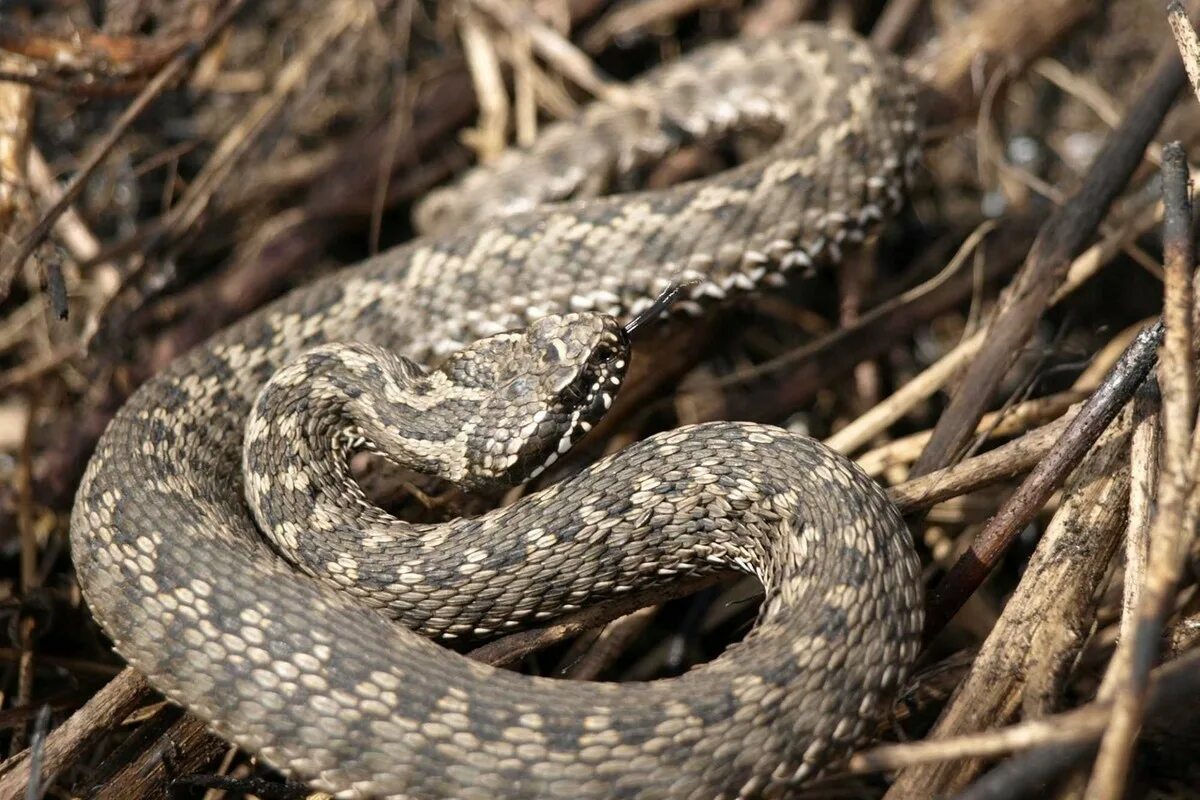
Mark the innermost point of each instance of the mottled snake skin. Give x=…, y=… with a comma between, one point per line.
x=297, y=664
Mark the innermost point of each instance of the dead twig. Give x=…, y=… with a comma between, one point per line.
x=16, y=114
x=343, y=18
x=997, y=38
x=1170, y=531
x=1025, y=504
x=1039, y=633
x=569, y=60
x=894, y=22
x=1045, y=268
x=1171, y=683
x=1187, y=41
x=1088, y=264
x=629, y=19
x=1014, y=420
x=179, y=744
x=88, y=57
x=168, y=75
x=69, y=741
x=834, y=354
x=507, y=650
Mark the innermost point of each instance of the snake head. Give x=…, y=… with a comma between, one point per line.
x=546, y=386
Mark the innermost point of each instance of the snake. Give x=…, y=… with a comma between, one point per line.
x=222, y=543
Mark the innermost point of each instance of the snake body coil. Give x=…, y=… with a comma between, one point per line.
x=253, y=636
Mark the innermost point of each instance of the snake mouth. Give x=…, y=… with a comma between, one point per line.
x=597, y=399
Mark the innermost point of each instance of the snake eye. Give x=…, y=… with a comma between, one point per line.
x=555, y=352
x=576, y=391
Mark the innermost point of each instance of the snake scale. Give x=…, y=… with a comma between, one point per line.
x=288, y=644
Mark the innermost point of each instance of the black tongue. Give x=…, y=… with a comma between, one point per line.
x=657, y=308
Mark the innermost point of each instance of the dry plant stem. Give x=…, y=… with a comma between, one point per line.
x=1144, y=471
x=31, y=369
x=81, y=666
x=16, y=115
x=869, y=424
x=952, y=281
x=29, y=572
x=1025, y=504
x=103, y=279
x=399, y=121
x=345, y=190
x=1078, y=725
x=507, y=650
x=610, y=644
x=894, y=22
x=1064, y=235
x=1009, y=422
x=174, y=69
x=1104, y=106
x=71, y=740
x=183, y=746
x=489, y=136
x=1048, y=618
x=1168, y=532
x=1171, y=683
x=1187, y=41
x=873, y=422
x=763, y=18
x=83, y=86
x=556, y=50
x=824, y=360
x=855, y=281
x=97, y=55
x=1144, y=475
x=998, y=36
x=71, y=229
x=1027, y=774
x=1016, y=420
x=866, y=427
x=16, y=106
x=343, y=17
x=529, y=84
x=628, y=19
x=1002, y=463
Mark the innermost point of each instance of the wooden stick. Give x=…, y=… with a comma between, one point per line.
x=167, y=76
x=1169, y=533
x=1078, y=437
x=1046, y=266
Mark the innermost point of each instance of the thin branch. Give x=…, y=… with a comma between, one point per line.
x=1024, y=504
x=166, y=77
x=1168, y=531
x=1060, y=239
x=69, y=741
x=1187, y=41
x=507, y=650
x=893, y=408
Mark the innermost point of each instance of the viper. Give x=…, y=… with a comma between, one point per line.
x=222, y=543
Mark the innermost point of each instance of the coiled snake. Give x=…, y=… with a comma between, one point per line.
x=282, y=645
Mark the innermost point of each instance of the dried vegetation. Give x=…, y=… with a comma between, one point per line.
x=1014, y=357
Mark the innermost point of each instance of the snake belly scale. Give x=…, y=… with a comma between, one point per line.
x=287, y=644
